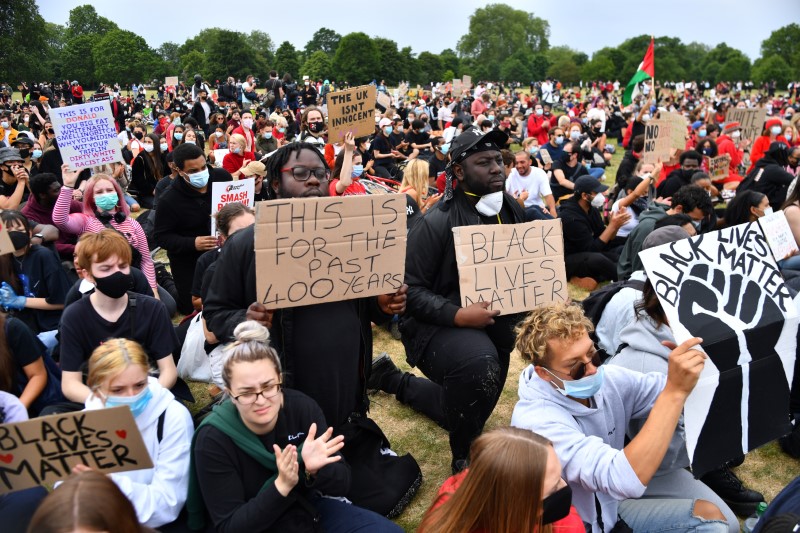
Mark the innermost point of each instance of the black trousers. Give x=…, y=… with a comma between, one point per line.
x=601, y=266
x=182, y=268
x=467, y=369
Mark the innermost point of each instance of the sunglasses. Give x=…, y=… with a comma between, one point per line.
x=578, y=370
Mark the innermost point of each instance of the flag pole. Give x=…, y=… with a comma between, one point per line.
x=655, y=94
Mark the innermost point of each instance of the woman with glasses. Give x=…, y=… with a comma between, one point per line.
x=119, y=376
x=264, y=459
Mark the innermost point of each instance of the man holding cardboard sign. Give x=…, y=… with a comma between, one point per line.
x=463, y=350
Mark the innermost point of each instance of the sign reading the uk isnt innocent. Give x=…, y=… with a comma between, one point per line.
x=316, y=250
x=86, y=134
x=43, y=450
x=351, y=111
x=515, y=267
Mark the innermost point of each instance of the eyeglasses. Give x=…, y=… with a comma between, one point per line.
x=578, y=370
x=268, y=392
x=303, y=173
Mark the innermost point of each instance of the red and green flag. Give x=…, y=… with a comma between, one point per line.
x=646, y=71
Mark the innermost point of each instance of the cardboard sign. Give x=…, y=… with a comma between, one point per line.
x=516, y=267
x=43, y=450
x=384, y=100
x=228, y=192
x=403, y=89
x=545, y=155
x=719, y=167
x=662, y=135
x=779, y=235
x=726, y=288
x=751, y=120
x=6, y=246
x=86, y=134
x=171, y=80
x=351, y=111
x=466, y=81
x=458, y=87
x=327, y=249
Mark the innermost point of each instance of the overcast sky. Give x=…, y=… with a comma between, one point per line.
x=742, y=24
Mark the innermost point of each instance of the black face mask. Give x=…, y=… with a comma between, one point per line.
x=139, y=135
x=25, y=153
x=316, y=127
x=19, y=239
x=114, y=285
x=557, y=505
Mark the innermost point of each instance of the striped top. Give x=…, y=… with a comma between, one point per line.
x=79, y=223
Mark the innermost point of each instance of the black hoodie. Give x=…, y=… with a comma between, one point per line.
x=769, y=177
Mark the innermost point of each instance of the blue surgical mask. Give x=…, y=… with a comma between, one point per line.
x=281, y=130
x=775, y=130
x=198, y=180
x=189, y=142
x=387, y=130
x=164, y=147
x=444, y=148
x=358, y=170
x=36, y=154
x=583, y=388
x=702, y=133
x=107, y=201
x=490, y=117
x=560, y=140
x=268, y=135
x=136, y=403
x=178, y=135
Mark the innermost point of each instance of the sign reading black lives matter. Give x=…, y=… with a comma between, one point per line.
x=515, y=267
x=86, y=134
x=316, y=250
x=351, y=111
x=43, y=450
x=726, y=288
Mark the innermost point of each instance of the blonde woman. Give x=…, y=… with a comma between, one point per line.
x=415, y=184
x=119, y=376
x=235, y=161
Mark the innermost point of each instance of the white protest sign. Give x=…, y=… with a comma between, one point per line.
x=719, y=167
x=228, y=192
x=316, y=250
x=779, y=235
x=219, y=155
x=384, y=100
x=726, y=288
x=515, y=267
x=86, y=134
x=171, y=80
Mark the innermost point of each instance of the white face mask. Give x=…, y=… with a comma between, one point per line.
x=490, y=204
x=598, y=201
x=736, y=134
x=767, y=211
x=148, y=147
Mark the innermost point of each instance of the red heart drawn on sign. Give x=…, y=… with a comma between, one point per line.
x=121, y=433
x=7, y=458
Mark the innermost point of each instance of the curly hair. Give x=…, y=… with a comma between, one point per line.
x=556, y=320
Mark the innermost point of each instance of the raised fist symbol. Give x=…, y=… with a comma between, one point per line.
x=739, y=324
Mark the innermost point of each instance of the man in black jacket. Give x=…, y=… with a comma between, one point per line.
x=183, y=221
x=202, y=110
x=769, y=175
x=629, y=161
x=463, y=350
x=591, y=249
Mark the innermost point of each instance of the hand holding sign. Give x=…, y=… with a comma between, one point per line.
x=685, y=365
x=394, y=304
x=477, y=315
x=260, y=314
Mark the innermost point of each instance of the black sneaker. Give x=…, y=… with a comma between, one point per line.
x=740, y=499
x=790, y=444
x=383, y=370
x=394, y=329
x=457, y=465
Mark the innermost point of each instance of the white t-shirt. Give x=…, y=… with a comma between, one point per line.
x=625, y=230
x=246, y=88
x=536, y=183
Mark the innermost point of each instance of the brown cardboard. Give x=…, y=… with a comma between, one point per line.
x=171, y=80
x=719, y=167
x=351, y=110
x=43, y=450
x=516, y=267
x=316, y=250
x=466, y=81
x=6, y=247
x=662, y=135
x=384, y=100
x=751, y=120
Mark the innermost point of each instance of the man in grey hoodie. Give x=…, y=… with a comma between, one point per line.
x=584, y=409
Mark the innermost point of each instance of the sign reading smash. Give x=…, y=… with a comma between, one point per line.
x=44, y=450
x=319, y=250
x=515, y=267
x=228, y=192
x=86, y=134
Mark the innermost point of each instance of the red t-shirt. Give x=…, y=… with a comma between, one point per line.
x=354, y=189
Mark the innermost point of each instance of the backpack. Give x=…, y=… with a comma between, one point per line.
x=594, y=304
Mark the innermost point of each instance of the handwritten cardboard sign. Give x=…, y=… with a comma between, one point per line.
x=516, y=267
x=43, y=450
x=228, y=192
x=779, y=235
x=318, y=250
x=725, y=287
x=545, y=155
x=466, y=81
x=383, y=100
x=751, y=121
x=6, y=246
x=351, y=111
x=171, y=80
x=662, y=135
x=458, y=87
x=86, y=134
x=719, y=167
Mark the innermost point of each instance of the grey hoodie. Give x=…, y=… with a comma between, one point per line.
x=645, y=353
x=589, y=441
x=629, y=258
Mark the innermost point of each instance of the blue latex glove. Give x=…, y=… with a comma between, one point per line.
x=9, y=298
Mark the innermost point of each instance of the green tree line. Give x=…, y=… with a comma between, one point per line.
x=502, y=43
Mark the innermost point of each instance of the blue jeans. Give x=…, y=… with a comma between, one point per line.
x=340, y=517
x=17, y=508
x=596, y=172
x=536, y=212
x=130, y=200
x=793, y=263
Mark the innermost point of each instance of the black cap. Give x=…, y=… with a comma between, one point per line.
x=22, y=139
x=588, y=184
x=469, y=139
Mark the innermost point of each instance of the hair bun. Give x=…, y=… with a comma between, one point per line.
x=251, y=330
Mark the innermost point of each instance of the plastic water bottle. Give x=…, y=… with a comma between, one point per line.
x=750, y=523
